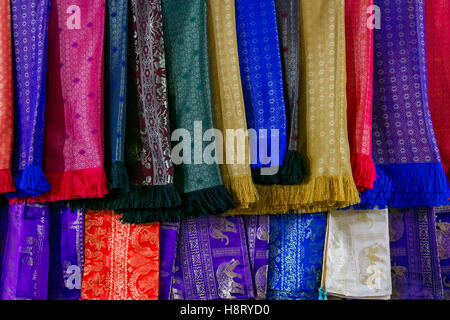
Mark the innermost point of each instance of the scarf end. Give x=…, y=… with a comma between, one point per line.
x=30, y=182
x=211, y=201
x=142, y=216
x=119, y=177
x=6, y=181
x=364, y=172
x=241, y=189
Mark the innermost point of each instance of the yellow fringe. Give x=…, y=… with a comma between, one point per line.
x=242, y=190
x=317, y=195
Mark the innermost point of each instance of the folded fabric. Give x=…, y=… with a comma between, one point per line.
x=404, y=149
x=323, y=139
x=356, y=259
x=30, y=20
x=416, y=273
x=186, y=45
x=168, y=234
x=212, y=261
x=25, y=267
x=121, y=260
x=262, y=80
x=3, y=232
x=443, y=240
x=74, y=155
x=6, y=99
x=437, y=30
x=257, y=230
x=66, y=253
x=359, y=53
x=228, y=102
x=296, y=256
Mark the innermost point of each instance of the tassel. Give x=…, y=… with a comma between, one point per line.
x=119, y=177
x=32, y=182
x=289, y=174
x=211, y=201
x=241, y=189
x=320, y=295
x=364, y=172
x=152, y=215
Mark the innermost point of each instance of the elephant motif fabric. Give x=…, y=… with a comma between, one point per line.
x=443, y=240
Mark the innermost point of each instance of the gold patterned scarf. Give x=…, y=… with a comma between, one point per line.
x=323, y=140
x=228, y=101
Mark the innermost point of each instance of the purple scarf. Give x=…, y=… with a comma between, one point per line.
x=66, y=253
x=212, y=261
x=443, y=238
x=415, y=269
x=26, y=258
x=3, y=232
x=168, y=233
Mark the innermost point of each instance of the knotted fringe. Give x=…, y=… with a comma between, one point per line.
x=86, y=183
x=408, y=186
x=119, y=177
x=211, y=201
x=6, y=181
x=317, y=195
x=241, y=189
x=290, y=173
x=364, y=173
x=31, y=182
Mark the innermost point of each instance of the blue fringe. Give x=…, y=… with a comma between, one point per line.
x=406, y=186
x=30, y=182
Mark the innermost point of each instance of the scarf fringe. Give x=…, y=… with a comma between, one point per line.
x=119, y=177
x=211, y=201
x=6, y=181
x=290, y=173
x=405, y=186
x=318, y=195
x=364, y=172
x=242, y=190
x=31, y=182
x=141, y=216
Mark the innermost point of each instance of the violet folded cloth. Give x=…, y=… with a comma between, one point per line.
x=66, y=253
x=212, y=261
x=443, y=239
x=168, y=233
x=415, y=268
x=25, y=266
x=3, y=232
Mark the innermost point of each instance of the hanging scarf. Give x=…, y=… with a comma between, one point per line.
x=359, y=53
x=409, y=170
x=356, y=262
x=443, y=239
x=437, y=28
x=322, y=119
x=66, y=253
x=121, y=260
x=416, y=273
x=228, y=101
x=257, y=230
x=3, y=233
x=168, y=233
x=186, y=44
x=74, y=113
x=212, y=261
x=6, y=99
x=296, y=255
x=30, y=19
x=262, y=80
x=26, y=258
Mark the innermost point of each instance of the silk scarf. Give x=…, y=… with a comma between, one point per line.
x=6, y=99
x=356, y=259
x=186, y=45
x=121, y=260
x=437, y=29
x=359, y=53
x=66, y=253
x=25, y=267
x=3, y=233
x=296, y=256
x=416, y=273
x=30, y=20
x=323, y=139
x=408, y=165
x=212, y=261
x=168, y=234
x=262, y=80
x=228, y=101
x=443, y=239
x=257, y=231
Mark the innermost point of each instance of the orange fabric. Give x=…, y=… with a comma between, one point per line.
x=6, y=98
x=121, y=260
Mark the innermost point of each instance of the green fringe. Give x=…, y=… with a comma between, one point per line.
x=119, y=177
x=212, y=201
x=290, y=173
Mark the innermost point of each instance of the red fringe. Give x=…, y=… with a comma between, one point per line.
x=75, y=184
x=6, y=181
x=364, y=172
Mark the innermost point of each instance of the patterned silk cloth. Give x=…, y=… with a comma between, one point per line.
x=296, y=256
x=212, y=260
x=357, y=262
x=443, y=240
x=168, y=235
x=6, y=99
x=408, y=164
x=416, y=273
x=25, y=268
x=121, y=260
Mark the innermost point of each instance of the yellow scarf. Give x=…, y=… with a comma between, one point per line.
x=323, y=141
x=228, y=101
